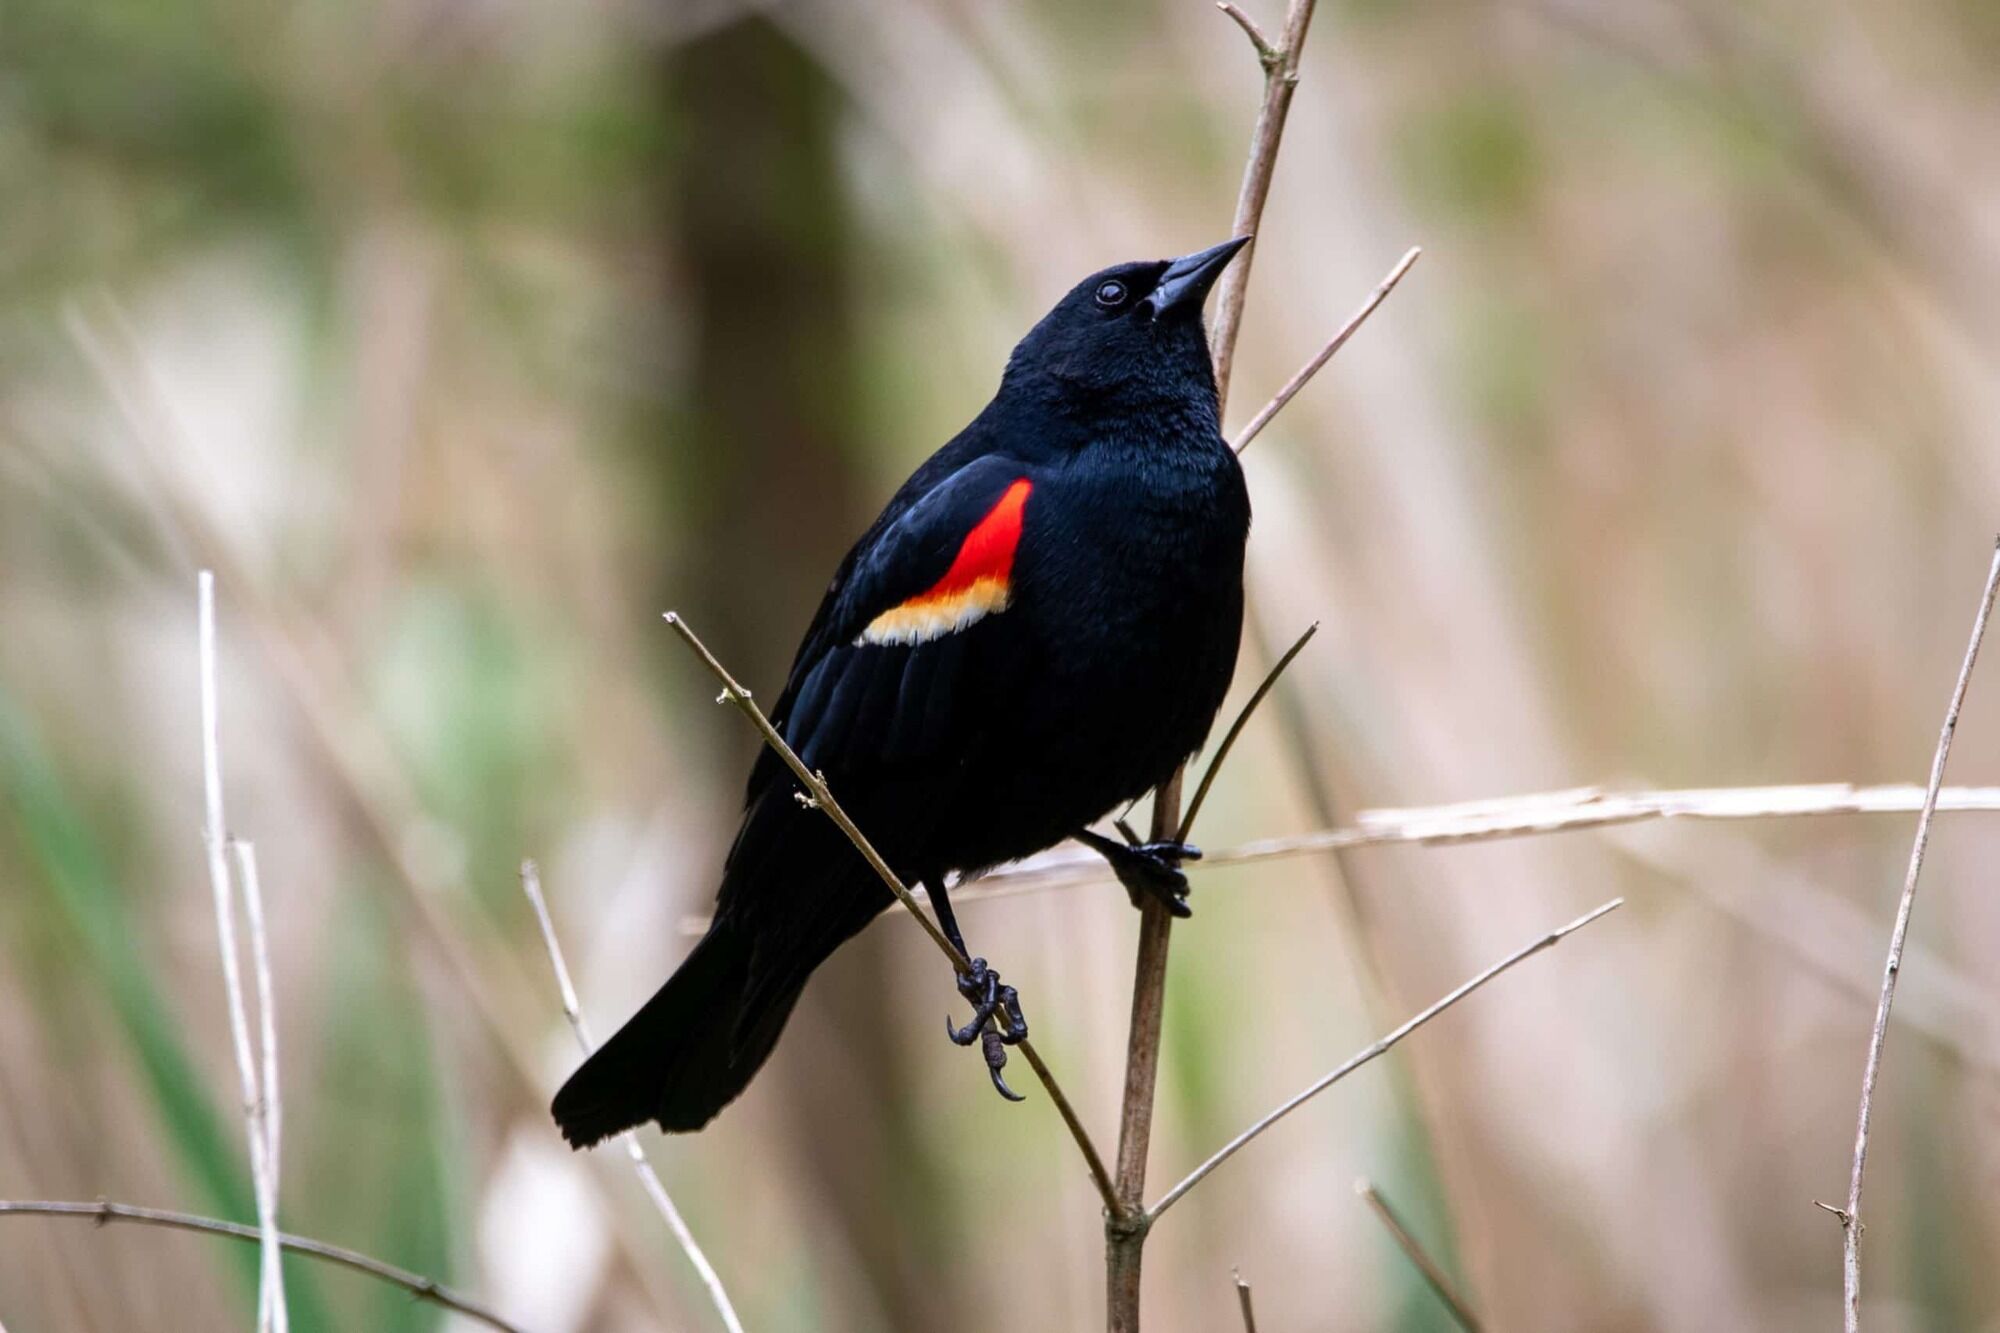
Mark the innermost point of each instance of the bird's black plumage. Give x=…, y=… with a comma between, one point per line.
x=1038, y=628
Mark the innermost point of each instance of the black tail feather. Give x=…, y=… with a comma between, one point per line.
x=685, y=1055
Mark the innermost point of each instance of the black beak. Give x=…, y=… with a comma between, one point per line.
x=1188, y=278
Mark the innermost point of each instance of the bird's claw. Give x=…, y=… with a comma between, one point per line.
x=991, y=1000
x=1149, y=868
x=995, y=1046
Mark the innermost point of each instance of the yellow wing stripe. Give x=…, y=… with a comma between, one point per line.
x=922, y=619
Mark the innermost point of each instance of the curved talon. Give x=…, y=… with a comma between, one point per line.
x=1000, y=1086
x=962, y=1036
x=996, y=1059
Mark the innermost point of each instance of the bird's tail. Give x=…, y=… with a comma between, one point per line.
x=687, y=1053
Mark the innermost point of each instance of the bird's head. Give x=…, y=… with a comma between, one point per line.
x=1127, y=334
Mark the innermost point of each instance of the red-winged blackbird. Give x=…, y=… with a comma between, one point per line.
x=1037, y=630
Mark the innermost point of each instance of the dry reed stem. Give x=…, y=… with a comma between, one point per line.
x=1512, y=817
x=649, y=1179
x=271, y=1300
x=419, y=1286
x=1243, y=1304
x=1432, y=1271
x=1850, y=1217
x=272, y=1312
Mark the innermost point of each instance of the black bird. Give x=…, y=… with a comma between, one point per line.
x=1037, y=630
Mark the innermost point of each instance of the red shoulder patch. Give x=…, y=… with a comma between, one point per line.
x=979, y=582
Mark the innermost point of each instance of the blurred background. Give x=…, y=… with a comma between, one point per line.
x=463, y=337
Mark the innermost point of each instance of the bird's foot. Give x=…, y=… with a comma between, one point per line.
x=992, y=1001
x=1149, y=868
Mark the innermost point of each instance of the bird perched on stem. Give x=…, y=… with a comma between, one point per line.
x=1037, y=630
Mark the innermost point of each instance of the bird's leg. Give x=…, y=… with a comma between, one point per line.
x=948, y=919
x=1150, y=868
x=980, y=984
x=991, y=1000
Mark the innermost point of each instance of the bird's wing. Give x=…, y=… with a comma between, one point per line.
x=884, y=675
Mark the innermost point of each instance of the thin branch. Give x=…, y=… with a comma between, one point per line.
x=1281, y=77
x=1243, y=1304
x=649, y=1179
x=1125, y=1226
x=531, y=885
x=1850, y=1219
x=272, y=1301
x=822, y=799
x=1236, y=729
x=419, y=1286
x=215, y=836
x=1334, y=344
x=1433, y=1273
x=1511, y=817
x=1267, y=54
x=1362, y=1057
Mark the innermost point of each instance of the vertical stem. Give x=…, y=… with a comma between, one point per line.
x=273, y=1311
x=1850, y=1217
x=1281, y=79
x=1125, y=1232
x=1126, y=1225
x=215, y=836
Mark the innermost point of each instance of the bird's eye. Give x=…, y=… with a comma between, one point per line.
x=1111, y=295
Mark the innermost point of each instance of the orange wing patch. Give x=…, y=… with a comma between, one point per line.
x=978, y=584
